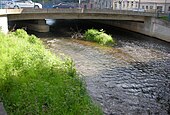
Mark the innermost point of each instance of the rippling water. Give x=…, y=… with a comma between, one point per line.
x=132, y=78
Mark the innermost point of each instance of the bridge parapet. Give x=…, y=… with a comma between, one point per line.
x=85, y=11
x=125, y=12
x=65, y=11
x=10, y=11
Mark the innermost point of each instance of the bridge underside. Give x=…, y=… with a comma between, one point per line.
x=42, y=14
x=151, y=27
x=35, y=25
x=80, y=16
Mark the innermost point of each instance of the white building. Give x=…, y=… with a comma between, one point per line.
x=125, y=4
x=147, y=5
x=103, y=4
x=153, y=5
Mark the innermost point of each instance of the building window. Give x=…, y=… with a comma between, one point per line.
x=91, y=6
x=106, y=4
x=151, y=7
x=146, y=7
x=159, y=8
x=143, y=7
x=115, y=5
x=110, y=5
x=132, y=3
x=128, y=4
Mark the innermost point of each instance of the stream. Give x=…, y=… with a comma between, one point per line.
x=131, y=78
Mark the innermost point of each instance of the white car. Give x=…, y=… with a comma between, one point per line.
x=138, y=10
x=17, y=4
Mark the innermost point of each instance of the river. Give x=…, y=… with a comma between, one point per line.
x=131, y=78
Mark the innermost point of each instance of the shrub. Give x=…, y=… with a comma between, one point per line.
x=164, y=18
x=99, y=36
x=35, y=81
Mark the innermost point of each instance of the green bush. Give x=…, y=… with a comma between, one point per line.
x=99, y=36
x=164, y=18
x=35, y=81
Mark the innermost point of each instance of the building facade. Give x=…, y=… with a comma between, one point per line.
x=97, y=4
x=147, y=5
x=104, y=4
x=125, y=4
x=154, y=5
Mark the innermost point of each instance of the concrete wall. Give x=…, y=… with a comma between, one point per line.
x=161, y=29
x=38, y=27
x=41, y=26
x=4, y=23
x=151, y=26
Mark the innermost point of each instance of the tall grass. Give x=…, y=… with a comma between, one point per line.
x=99, y=36
x=33, y=81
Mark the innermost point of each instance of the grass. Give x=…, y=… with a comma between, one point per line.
x=99, y=36
x=164, y=18
x=36, y=82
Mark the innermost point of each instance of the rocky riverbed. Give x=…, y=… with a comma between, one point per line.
x=127, y=79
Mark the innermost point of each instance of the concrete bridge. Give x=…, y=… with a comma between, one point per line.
x=142, y=22
x=30, y=14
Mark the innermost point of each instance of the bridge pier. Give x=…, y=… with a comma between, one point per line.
x=39, y=26
x=35, y=25
x=4, y=23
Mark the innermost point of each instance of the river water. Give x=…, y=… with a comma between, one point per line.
x=131, y=78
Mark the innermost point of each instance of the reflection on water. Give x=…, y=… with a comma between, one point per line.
x=131, y=78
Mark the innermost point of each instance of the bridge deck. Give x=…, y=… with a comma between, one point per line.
x=104, y=14
x=98, y=11
x=108, y=14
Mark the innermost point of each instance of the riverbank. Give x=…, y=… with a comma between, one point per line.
x=35, y=81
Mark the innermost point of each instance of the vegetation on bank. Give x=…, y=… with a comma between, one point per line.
x=34, y=81
x=164, y=18
x=99, y=36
